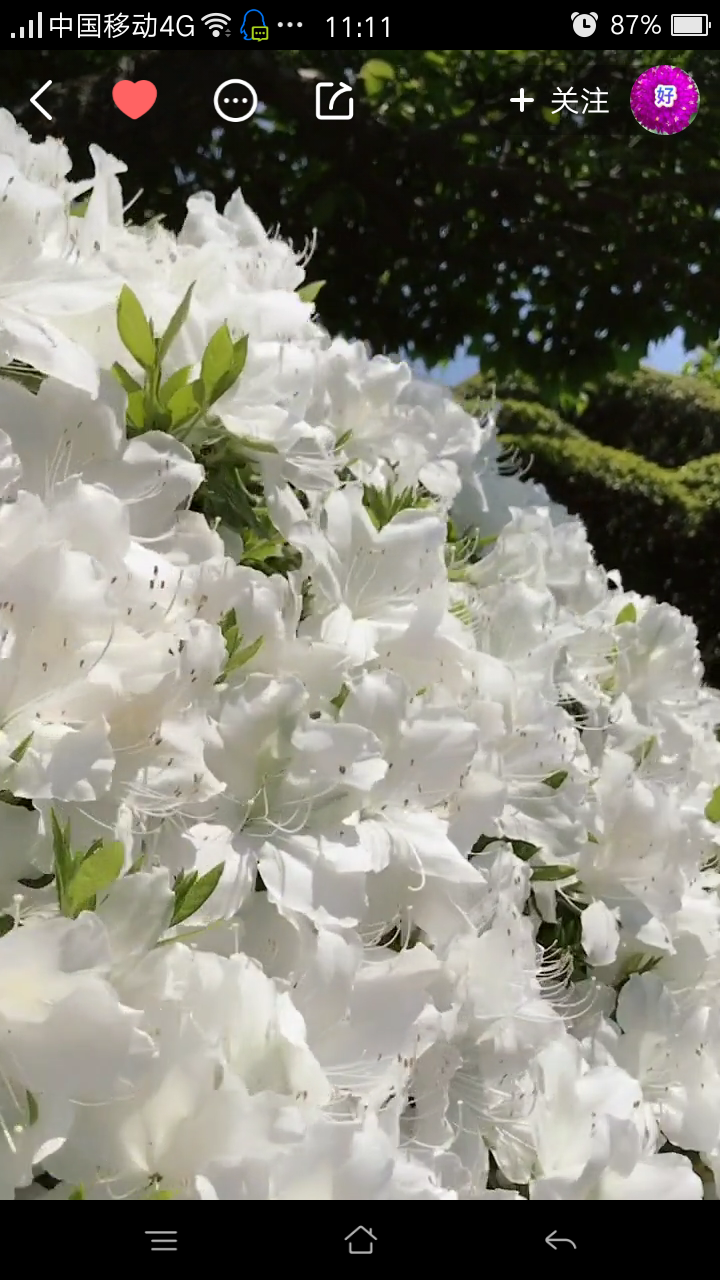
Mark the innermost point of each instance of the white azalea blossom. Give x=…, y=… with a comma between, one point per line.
x=358, y=831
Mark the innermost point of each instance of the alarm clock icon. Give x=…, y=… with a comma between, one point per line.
x=584, y=24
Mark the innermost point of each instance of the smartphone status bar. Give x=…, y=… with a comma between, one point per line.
x=292, y=27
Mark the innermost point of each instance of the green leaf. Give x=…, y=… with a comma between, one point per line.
x=644, y=750
x=241, y=657
x=560, y=872
x=194, y=893
x=556, y=780
x=217, y=360
x=376, y=67
x=126, y=380
x=20, y=750
x=340, y=698
x=627, y=614
x=162, y=1195
x=254, y=446
x=628, y=359
x=33, y=1109
x=229, y=379
x=375, y=73
x=82, y=857
x=228, y=624
x=183, y=405
x=175, y=325
x=77, y=1194
x=344, y=439
x=136, y=409
x=98, y=869
x=523, y=849
x=6, y=924
x=174, y=383
x=63, y=858
x=135, y=329
x=309, y=292
x=712, y=808
x=260, y=550
x=37, y=882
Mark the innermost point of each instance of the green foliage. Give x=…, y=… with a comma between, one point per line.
x=192, y=892
x=521, y=848
x=565, y=935
x=177, y=405
x=135, y=329
x=556, y=780
x=667, y=418
x=222, y=364
x=33, y=1109
x=80, y=877
x=628, y=613
x=21, y=749
x=560, y=872
x=517, y=405
x=706, y=364
x=238, y=655
x=231, y=493
x=382, y=505
x=645, y=750
x=94, y=874
x=176, y=323
x=23, y=374
x=712, y=808
x=444, y=212
x=309, y=292
x=374, y=75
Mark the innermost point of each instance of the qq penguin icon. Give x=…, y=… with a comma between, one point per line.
x=584, y=24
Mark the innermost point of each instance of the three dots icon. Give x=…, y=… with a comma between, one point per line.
x=235, y=101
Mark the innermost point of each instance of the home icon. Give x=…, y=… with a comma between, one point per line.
x=361, y=1240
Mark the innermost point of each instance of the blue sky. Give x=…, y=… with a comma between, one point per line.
x=668, y=356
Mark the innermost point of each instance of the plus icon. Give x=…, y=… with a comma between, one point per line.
x=522, y=99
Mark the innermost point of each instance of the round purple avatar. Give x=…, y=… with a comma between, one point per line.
x=664, y=100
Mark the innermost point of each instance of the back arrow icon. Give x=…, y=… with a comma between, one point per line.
x=35, y=103
x=554, y=1240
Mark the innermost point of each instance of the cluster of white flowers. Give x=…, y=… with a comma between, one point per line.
x=388, y=875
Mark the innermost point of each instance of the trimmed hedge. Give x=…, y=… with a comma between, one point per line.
x=701, y=478
x=520, y=417
x=666, y=418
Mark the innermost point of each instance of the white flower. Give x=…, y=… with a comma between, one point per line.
x=62, y=1028
x=369, y=585
x=390, y=874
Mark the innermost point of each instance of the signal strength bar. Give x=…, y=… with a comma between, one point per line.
x=30, y=33
x=162, y=1241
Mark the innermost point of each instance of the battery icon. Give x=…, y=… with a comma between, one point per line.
x=689, y=24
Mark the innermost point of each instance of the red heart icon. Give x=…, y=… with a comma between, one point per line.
x=134, y=99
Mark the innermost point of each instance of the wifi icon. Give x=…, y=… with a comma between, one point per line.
x=215, y=22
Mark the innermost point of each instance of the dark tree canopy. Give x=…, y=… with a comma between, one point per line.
x=560, y=244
